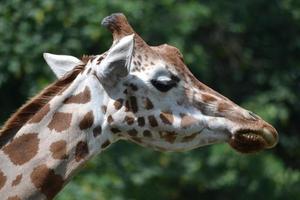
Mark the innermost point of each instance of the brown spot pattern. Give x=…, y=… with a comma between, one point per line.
x=152, y=121
x=133, y=87
x=60, y=121
x=207, y=98
x=132, y=132
x=187, y=121
x=110, y=119
x=129, y=120
x=23, y=148
x=81, y=151
x=100, y=59
x=87, y=121
x=2, y=179
x=97, y=131
x=189, y=138
x=59, y=150
x=127, y=106
x=115, y=130
x=141, y=121
x=147, y=133
x=133, y=103
x=23, y=115
x=17, y=180
x=168, y=136
x=103, y=109
x=40, y=114
x=80, y=98
x=148, y=104
x=118, y=104
x=105, y=144
x=223, y=106
x=46, y=181
x=167, y=117
x=203, y=108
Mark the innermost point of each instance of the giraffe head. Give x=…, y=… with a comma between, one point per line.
x=154, y=100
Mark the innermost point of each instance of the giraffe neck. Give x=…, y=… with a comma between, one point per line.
x=57, y=140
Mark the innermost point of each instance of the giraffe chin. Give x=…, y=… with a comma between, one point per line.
x=251, y=141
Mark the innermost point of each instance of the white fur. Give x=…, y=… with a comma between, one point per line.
x=61, y=64
x=117, y=63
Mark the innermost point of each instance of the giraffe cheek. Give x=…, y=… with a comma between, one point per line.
x=168, y=136
x=132, y=132
x=189, y=137
x=105, y=144
x=147, y=133
x=167, y=118
x=187, y=121
x=148, y=104
x=129, y=120
x=141, y=121
x=152, y=121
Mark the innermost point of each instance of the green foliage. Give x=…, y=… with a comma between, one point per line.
x=247, y=50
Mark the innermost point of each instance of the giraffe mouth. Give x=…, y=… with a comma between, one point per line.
x=251, y=141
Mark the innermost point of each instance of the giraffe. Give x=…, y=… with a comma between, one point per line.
x=133, y=91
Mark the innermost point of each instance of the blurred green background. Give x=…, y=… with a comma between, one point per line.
x=248, y=50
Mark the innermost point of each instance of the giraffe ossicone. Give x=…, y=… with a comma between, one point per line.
x=134, y=91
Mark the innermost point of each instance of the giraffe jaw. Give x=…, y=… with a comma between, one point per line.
x=251, y=141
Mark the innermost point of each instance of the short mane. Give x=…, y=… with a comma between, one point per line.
x=23, y=114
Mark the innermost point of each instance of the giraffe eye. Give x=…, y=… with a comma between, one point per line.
x=165, y=84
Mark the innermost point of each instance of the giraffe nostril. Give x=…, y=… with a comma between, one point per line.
x=253, y=116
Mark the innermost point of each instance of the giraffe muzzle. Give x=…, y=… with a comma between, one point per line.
x=251, y=141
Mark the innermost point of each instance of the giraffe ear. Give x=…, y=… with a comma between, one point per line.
x=61, y=64
x=116, y=64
